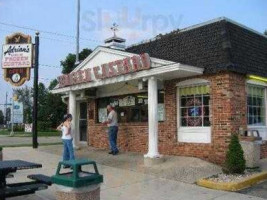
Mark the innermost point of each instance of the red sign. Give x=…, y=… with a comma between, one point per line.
x=107, y=70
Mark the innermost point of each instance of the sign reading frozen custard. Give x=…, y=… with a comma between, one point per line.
x=107, y=70
x=17, y=57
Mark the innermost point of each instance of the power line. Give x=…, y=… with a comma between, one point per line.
x=67, y=42
x=48, y=32
x=45, y=65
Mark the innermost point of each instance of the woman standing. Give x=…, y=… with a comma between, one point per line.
x=65, y=127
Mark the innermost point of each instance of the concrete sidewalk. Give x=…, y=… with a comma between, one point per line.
x=120, y=183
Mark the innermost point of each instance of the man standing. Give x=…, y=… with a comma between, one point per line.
x=112, y=123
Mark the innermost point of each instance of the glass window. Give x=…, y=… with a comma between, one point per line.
x=256, y=106
x=130, y=108
x=194, y=106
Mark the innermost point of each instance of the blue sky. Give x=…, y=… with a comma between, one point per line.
x=138, y=20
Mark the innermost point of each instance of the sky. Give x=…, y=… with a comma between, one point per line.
x=138, y=20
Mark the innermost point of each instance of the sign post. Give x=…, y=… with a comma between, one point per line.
x=17, y=61
x=35, y=96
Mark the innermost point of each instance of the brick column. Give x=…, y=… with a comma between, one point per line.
x=229, y=110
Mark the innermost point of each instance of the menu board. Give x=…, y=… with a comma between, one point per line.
x=161, y=112
x=127, y=101
x=102, y=114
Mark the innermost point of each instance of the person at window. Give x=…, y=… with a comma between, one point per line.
x=65, y=127
x=112, y=123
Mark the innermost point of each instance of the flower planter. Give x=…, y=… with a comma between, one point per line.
x=235, y=185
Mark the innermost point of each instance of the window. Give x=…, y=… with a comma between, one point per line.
x=256, y=105
x=130, y=108
x=194, y=106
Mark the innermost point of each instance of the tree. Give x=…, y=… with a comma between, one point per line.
x=51, y=108
x=69, y=63
x=25, y=95
x=57, y=110
x=265, y=32
x=1, y=117
x=53, y=84
x=235, y=162
x=42, y=102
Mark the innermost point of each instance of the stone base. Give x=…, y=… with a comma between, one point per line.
x=251, y=153
x=86, y=193
x=149, y=162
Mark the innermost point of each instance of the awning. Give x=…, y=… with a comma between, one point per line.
x=165, y=72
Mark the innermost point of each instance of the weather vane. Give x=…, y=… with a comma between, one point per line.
x=114, y=28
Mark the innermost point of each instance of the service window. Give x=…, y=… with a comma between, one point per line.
x=130, y=108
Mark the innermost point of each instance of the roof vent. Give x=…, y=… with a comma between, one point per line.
x=115, y=42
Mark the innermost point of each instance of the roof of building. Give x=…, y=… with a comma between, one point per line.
x=217, y=45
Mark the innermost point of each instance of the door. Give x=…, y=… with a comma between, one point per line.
x=83, y=122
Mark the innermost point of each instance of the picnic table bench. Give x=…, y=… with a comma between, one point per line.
x=40, y=181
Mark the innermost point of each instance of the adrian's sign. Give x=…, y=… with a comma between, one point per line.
x=107, y=70
x=17, y=57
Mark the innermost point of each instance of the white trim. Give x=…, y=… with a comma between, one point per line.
x=117, y=52
x=194, y=134
x=138, y=75
x=243, y=26
x=195, y=81
x=191, y=134
x=254, y=82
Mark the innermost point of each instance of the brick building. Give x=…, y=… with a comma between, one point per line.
x=183, y=93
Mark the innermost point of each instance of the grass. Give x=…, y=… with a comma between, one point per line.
x=23, y=134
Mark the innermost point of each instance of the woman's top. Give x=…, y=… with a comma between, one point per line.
x=65, y=135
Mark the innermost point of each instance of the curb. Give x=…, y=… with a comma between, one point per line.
x=233, y=186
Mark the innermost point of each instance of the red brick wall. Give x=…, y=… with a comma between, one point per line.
x=264, y=150
x=228, y=107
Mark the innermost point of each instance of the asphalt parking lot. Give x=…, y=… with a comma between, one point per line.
x=259, y=190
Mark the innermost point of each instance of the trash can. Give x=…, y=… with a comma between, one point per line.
x=77, y=183
x=251, y=144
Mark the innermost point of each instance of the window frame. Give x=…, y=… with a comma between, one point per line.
x=264, y=85
x=262, y=129
x=196, y=134
x=264, y=102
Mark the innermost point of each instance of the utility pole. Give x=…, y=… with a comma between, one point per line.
x=77, y=33
x=35, y=96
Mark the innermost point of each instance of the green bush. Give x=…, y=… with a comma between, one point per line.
x=17, y=128
x=44, y=125
x=1, y=148
x=235, y=162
